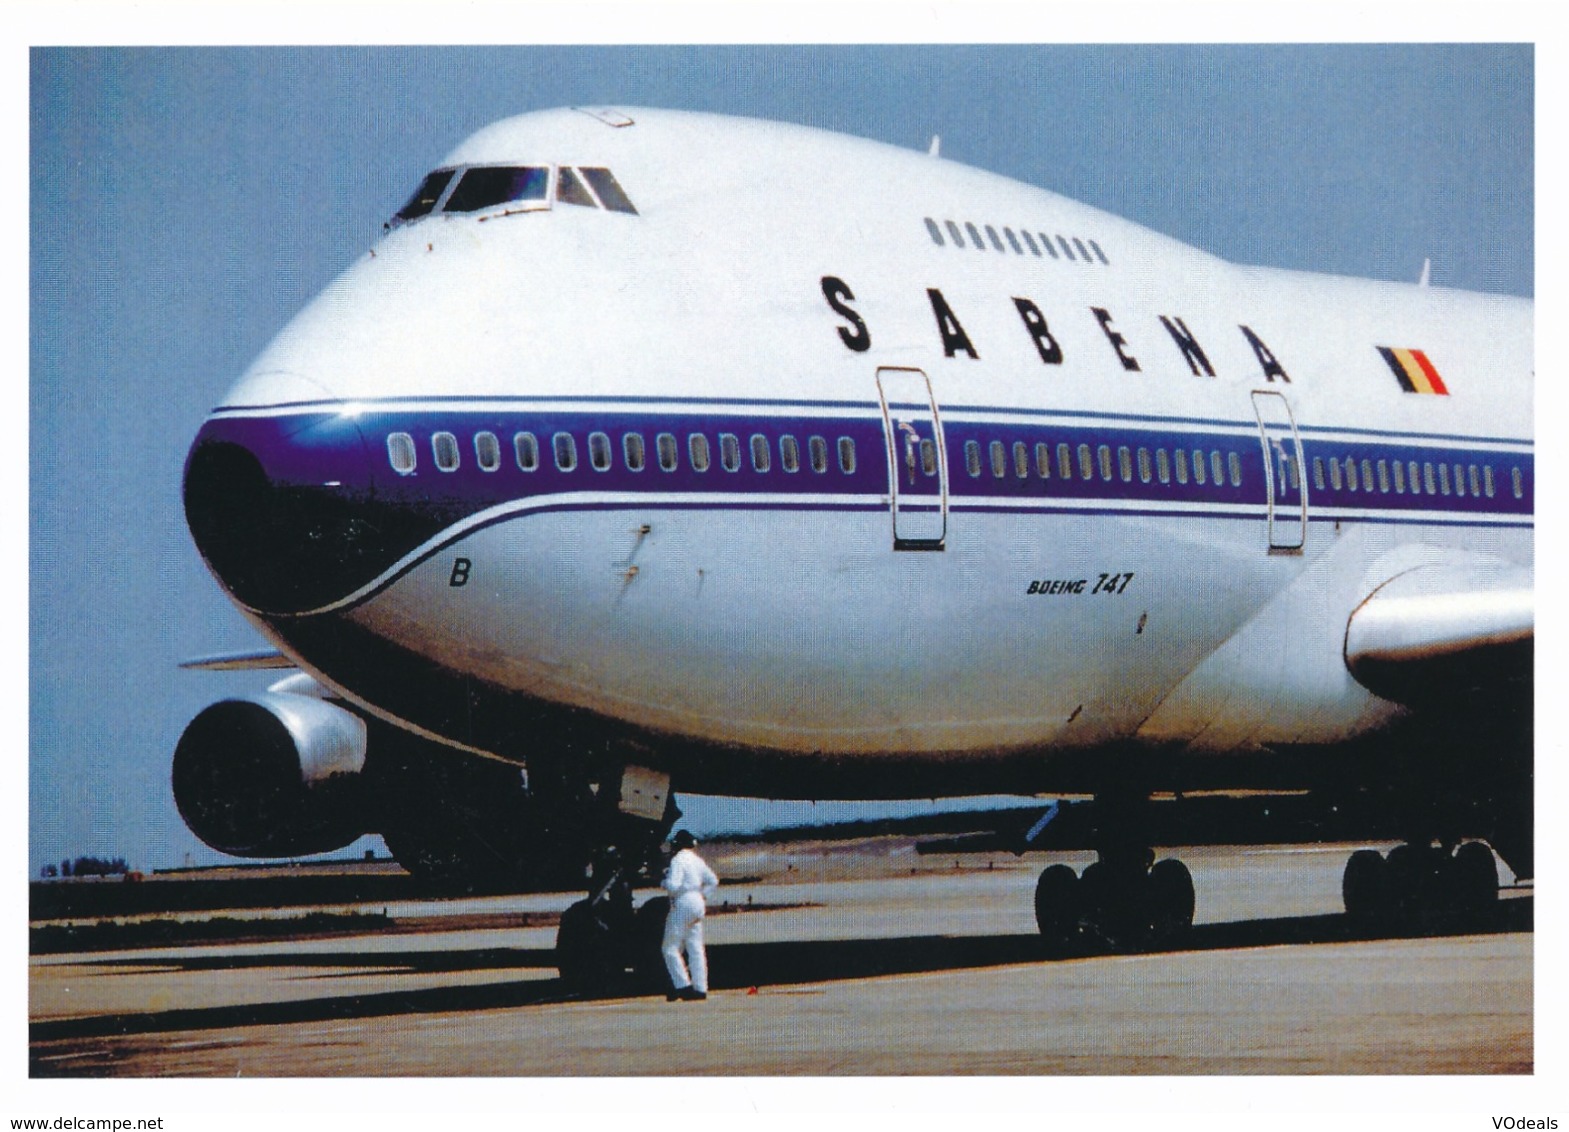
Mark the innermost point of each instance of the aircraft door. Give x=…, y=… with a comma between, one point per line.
x=1285, y=474
x=917, y=469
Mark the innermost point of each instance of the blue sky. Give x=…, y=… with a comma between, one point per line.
x=185, y=203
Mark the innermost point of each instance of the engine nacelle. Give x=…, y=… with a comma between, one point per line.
x=275, y=775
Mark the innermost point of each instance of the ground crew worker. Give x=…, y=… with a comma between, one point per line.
x=690, y=882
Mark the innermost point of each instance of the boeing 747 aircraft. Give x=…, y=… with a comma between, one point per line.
x=654, y=450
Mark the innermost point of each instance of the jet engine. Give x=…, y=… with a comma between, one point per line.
x=275, y=775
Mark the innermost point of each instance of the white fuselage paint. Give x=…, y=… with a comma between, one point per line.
x=805, y=630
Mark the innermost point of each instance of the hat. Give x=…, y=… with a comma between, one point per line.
x=683, y=839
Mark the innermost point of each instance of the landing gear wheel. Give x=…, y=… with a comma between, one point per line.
x=1057, y=908
x=648, y=933
x=586, y=950
x=1406, y=885
x=1364, y=885
x=1474, y=879
x=1171, y=899
x=1115, y=905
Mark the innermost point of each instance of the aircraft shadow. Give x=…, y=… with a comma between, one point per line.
x=731, y=967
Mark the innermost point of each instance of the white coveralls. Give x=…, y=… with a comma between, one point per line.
x=690, y=882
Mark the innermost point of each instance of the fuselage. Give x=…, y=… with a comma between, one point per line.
x=819, y=452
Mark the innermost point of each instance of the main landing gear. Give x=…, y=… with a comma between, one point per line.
x=1125, y=899
x=1420, y=882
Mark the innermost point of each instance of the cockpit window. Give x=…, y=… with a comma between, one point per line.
x=426, y=196
x=570, y=190
x=608, y=189
x=493, y=185
x=514, y=188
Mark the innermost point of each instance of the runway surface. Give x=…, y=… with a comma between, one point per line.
x=858, y=959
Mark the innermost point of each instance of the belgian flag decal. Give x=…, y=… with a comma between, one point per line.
x=1414, y=372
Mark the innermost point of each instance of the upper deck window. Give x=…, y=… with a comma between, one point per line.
x=490, y=186
x=426, y=196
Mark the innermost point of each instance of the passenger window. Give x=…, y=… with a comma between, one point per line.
x=1100, y=255
x=401, y=453
x=1047, y=244
x=487, y=451
x=818, y=447
x=1086, y=463
x=729, y=452
x=1443, y=479
x=1383, y=477
x=1181, y=456
x=1021, y=459
x=1335, y=479
x=1234, y=463
x=1144, y=465
x=570, y=190
x=1487, y=479
x=975, y=237
x=1367, y=475
x=1104, y=453
x=1198, y=466
x=494, y=186
x=992, y=233
x=934, y=231
x=1475, y=478
x=1062, y=242
x=1162, y=466
x=761, y=459
x=789, y=454
x=1084, y=253
x=1427, y=478
x=972, y=457
x=1400, y=476
x=526, y=449
x=669, y=451
x=1415, y=476
x=599, y=451
x=953, y=231
x=444, y=446
x=1459, y=479
x=1029, y=242
x=1013, y=241
x=1518, y=482
x=1064, y=462
x=929, y=457
x=608, y=189
x=1318, y=472
x=1217, y=475
x=697, y=450
x=566, y=451
x=1043, y=460
x=632, y=450
x=1351, y=474
x=846, y=455
x=999, y=459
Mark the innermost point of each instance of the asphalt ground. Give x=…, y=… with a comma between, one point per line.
x=857, y=959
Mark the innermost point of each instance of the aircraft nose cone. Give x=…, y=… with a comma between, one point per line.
x=274, y=509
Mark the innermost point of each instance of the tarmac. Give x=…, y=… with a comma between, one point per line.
x=827, y=959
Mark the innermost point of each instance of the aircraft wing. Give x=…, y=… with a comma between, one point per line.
x=240, y=661
x=1442, y=630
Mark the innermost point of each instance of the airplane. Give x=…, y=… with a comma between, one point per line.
x=650, y=450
